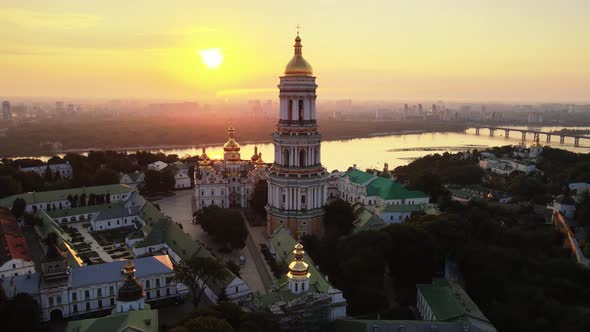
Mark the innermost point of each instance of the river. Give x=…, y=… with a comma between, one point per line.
x=396, y=150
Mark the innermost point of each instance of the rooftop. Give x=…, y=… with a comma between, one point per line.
x=112, y=272
x=449, y=302
x=62, y=195
x=135, y=320
x=382, y=187
x=12, y=242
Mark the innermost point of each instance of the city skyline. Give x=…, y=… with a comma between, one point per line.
x=451, y=50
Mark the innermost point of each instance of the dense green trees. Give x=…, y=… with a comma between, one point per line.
x=21, y=313
x=226, y=226
x=259, y=198
x=18, y=207
x=227, y=316
x=338, y=219
x=429, y=173
x=514, y=266
x=159, y=181
x=198, y=271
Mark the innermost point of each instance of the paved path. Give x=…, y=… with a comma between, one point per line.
x=92, y=242
x=255, y=259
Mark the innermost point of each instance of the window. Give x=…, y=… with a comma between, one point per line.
x=74, y=296
x=87, y=306
x=58, y=299
x=237, y=289
x=158, y=293
x=148, y=295
x=302, y=199
x=99, y=292
x=117, y=221
x=300, y=110
x=296, y=287
x=75, y=308
x=111, y=290
x=100, y=303
x=290, y=110
x=108, y=223
x=147, y=284
x=86, y=294
x=112, y=301
x=51, y=300
x=14, y=266
x=167, y=291
x=157, y=282
x=303, y=286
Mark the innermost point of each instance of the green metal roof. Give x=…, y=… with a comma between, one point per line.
x=135, y=320
x=449, y=302
x=284, y=243
x=389, y=189
x=382, y=187
x=358, y=176
x=366, y=220
x=62, y=195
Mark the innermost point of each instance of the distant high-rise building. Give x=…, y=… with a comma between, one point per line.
x=6, y=111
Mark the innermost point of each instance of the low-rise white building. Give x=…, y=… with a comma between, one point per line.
x=63, y=171
x=157, y=166
x=368, y=189
x=63, y=292
x=58, y=199
x=564, y=204
x=133, y=180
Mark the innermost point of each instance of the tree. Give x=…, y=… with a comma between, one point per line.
x=583, y=209
x=259, y=321
x=233, y=267
x=8, y=186
x=197, y=272
x=18, y=207
x=55, y=160
x=105, y=176
x=339, y=218
x=259, y=197
x=226, y=226
x=20, y=313
x=159, y=181
x=48, y=175
x=204, y=324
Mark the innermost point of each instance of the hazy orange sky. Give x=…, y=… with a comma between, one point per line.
x=502, y=50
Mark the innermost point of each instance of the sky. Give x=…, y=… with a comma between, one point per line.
x=471, y=50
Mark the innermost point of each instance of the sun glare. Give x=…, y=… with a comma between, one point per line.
x=212, y=57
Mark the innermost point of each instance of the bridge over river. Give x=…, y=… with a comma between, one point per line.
x=524, y=132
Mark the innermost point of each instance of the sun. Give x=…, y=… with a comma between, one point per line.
x=212, y=57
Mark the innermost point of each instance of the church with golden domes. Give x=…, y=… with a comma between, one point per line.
x=228, y=182
x=297, y=181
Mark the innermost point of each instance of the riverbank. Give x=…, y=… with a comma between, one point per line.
x=209, y=144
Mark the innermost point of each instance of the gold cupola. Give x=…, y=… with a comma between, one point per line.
x=298, y=269
x=231, y=144
x=298, y=66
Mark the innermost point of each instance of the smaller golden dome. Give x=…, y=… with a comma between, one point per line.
x=259, y=161
x=231, y=144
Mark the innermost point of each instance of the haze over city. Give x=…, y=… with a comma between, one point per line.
x=295, y=166
x=525, y=51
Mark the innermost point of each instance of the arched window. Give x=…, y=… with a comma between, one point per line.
x=286, y=157
x=316, y=157
x=290, y=111
x=300, y=110
x=302, y=157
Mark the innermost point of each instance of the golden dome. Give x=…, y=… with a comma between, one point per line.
x=259, y=161
x=298, y=66
x=231, y=144
x=298, y=269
